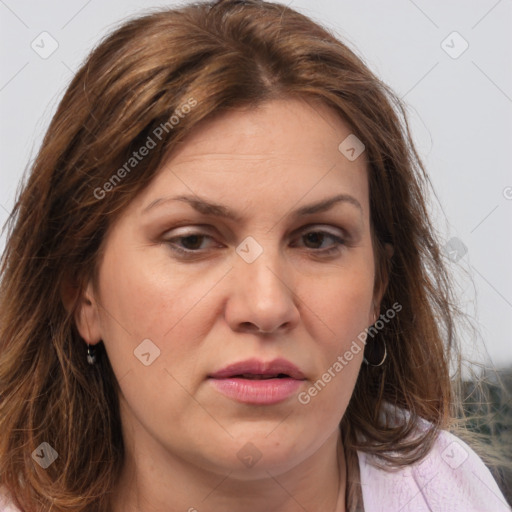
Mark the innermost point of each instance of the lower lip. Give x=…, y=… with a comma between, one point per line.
x=260, y=392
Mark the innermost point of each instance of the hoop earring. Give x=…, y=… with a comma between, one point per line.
x=370, y=361
x=92, y=357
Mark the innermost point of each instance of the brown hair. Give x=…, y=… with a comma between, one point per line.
x=221, y=55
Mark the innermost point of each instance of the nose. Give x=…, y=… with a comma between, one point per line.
x=262, y=296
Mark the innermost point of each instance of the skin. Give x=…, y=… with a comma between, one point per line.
x=181, y=435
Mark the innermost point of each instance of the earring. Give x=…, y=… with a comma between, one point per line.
x=377, y=354
x=91, y=354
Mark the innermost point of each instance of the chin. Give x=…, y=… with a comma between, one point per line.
x=259, y=453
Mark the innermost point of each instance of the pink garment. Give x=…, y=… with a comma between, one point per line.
x=5, y=505
x=452, y=478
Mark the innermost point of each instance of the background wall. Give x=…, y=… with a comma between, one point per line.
x=449, y=61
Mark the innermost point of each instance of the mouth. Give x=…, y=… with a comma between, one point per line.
x=258, y=383
x=255, y=369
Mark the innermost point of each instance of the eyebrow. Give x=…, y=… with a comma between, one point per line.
x=218, y=210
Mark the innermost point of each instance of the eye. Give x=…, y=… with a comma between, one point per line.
x=314, y=239
x=189, y=244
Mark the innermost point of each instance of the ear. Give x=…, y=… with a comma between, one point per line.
x=382, y=280
x=86, y=315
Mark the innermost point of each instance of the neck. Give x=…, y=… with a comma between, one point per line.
x=161, y=482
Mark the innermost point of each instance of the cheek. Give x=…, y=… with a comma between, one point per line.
x=341, y=306
x=146, y=298
x=146, y=302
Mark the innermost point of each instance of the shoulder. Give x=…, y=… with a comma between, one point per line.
x=5, y=502
x=451, y=478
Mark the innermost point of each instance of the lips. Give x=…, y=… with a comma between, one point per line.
x=254, y=369
x=258, y=383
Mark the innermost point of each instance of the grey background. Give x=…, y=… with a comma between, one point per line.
x=459, y=109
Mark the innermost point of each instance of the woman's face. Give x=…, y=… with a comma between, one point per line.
x=185, y=288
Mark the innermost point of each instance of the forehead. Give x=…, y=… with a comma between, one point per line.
x=289, y=127
x=281, y=151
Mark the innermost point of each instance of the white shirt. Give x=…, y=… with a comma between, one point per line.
x=452, y=478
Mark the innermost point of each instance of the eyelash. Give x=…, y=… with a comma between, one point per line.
x=191, y=253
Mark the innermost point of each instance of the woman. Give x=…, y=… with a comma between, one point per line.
x=221, y=289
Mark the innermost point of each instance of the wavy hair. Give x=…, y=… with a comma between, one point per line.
x=225, y=55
